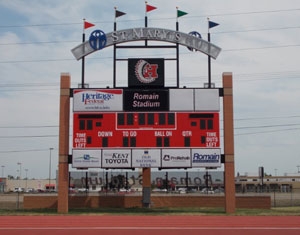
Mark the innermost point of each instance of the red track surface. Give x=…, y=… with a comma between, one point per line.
x=144, y=225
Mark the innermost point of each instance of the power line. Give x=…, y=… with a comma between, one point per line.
x=266, y=126
x=27, y=136
x=224, y=32
x=270, y=131
x=251, y=12
x=34, y=61
x=30, y=43
x=23, y=151
x=27, y=84
x=261, y=48
x=39, y=25
x=256, y=30
x=237, y=128
x=153, y=19
x=272, y=117
x=241, y=134
x=272, y=75
x=109, y=57
x=25, y=127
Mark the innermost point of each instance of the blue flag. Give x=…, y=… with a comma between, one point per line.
x=212, y=24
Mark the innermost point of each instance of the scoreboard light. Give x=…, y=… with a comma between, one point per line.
x=146, y=130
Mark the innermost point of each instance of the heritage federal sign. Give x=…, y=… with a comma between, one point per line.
x=155, y=34
x=97, y=100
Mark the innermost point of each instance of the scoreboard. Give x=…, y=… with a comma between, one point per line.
x=146, y=130
x=160, y=128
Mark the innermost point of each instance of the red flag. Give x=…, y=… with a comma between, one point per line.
x=149, y=8
x=88, y=25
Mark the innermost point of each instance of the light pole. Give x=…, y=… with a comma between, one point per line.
x=20, y=173
x=26, y=170
x=50, y=167
x=2, y=171
x=298, y=168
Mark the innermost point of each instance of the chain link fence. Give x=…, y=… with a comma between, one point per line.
x=291, y=198
x=288, y=197
x=282, y=199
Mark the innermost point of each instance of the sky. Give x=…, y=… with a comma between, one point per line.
x=260, y=47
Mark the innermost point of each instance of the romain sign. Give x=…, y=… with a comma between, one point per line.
x=154, y=34
x=146, y=100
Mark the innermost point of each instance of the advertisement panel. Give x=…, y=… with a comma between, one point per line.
x=176, y=158
x=146, y=158
x=116, y=158
x=181, y=99
x=146, y=100
x=146, y=73
x=206, y=157
x=207, y=100
x=86, y=158
x=97, y=100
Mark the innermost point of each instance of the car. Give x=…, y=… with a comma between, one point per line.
x=83, y=190
x=219, y=190
x=157, y=190
x=29, y=190
x=19, y=190
x=207, y=191
x=72, y=190
x=124, y=190
x=182, y=190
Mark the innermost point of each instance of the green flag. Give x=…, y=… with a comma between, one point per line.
x=181, y=13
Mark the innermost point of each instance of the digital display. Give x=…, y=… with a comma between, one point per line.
x=146, y=130
x=146, y=100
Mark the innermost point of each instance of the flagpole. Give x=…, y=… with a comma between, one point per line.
x=115, y=22
x=83, y=58
x=146, y=18
x=209, y=58
x=210, y=25
x=115, y=52
x=179, y=14
x=177, y=49
x=117, y=14
x=146, y=21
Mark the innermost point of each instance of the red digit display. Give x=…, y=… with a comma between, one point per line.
x=146, y=130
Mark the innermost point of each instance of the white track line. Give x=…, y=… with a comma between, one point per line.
x=150, y=228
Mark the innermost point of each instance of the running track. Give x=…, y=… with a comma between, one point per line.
x=146, y=225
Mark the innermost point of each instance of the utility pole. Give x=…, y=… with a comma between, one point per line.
x=50, y=168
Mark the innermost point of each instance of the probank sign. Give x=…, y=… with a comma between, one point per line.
x=97, y=100
x=176, y=158
x=206, y=157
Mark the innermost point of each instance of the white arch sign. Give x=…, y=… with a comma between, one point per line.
x=151, y=34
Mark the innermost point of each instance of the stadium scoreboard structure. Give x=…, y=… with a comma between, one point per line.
x=146, y=124
x=156, y=128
